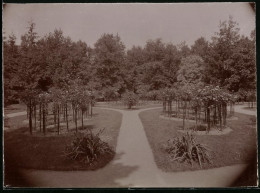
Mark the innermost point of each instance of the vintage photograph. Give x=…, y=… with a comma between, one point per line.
x=118, y=95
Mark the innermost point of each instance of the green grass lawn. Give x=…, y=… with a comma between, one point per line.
x=39, y=152
x=239, y=146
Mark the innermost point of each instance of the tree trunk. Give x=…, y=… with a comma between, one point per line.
x=220, y=117
x=27, y=110
x=82, y=121
x=43, y=119
x=30, y=116
x=40, y=117
x=176, y=108
x=208, y=118
x=196, y=115
x=55, y=116
x=67, y=121
x=184, y=114
x=91, y=105
x=35, y=117
x=76, y=120
x=224, y=114
x=58, y=109
x=215, y=115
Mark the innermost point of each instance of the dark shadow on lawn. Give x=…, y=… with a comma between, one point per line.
x=249, y=176
x=105, y=177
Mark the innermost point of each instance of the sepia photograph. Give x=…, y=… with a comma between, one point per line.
x=129, y=95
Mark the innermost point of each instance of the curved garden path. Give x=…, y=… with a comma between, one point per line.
x=133, y=166
x=240, y=109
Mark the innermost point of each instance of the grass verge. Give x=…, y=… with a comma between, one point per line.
x=121, y=106
x=15, y=108
x=236, y=147
x=46, y=153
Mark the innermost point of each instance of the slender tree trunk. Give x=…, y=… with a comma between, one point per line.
x=73, y=113
x=35, y=117
x=27, y=110
x=40, y=117
x=58, y=109
x=199, y=111
x=76, y=120
x=91, y=108
x=196, y=115
x=224, y=114
x=220, y=117
x=184, y=114
x=208, y=118
x=176, y=108
x=43, y=119
x=82, y=121
x=67, y=121
x=55, y=116
x=30, y=116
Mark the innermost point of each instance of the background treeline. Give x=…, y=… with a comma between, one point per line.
x=56, y=63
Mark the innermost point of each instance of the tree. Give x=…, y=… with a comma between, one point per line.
x=191, y=70
x=28, y=73
x=242, y=67
x=109, y=58
x=171, y=63
x=154, y=50
x=200, y=47
x=219, y=68
x=184, y=49
x=10, y=66
x=130, y=99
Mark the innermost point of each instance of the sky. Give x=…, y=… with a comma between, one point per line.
x=134, y=23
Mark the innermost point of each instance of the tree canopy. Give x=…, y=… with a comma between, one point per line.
x=40, y=64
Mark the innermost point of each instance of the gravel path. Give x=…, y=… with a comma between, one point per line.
x=134, y=166
x=240, y=109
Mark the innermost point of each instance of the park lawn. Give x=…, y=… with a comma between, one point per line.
x=250, y=108
x=47, y=152
x=121, y=106
x=15, y=108
x=237, y=147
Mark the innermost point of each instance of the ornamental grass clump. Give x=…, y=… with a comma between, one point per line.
x=187, y=149
x=87, y=148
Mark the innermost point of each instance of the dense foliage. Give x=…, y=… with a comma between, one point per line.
x=40, y=63
x=54, y=61
x=130, y=99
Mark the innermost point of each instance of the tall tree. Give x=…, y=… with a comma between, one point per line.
x=109, y=59
x=200, y=47
x=10, y=66
x=191, y=71
x=222, y=48
x=29, y=70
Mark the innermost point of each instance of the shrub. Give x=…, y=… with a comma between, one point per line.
x=87, y=148
x=130, y=99
x=199, y=128
x=187, y=149
x=253, y=120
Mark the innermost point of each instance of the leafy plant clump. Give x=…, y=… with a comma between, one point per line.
x=198, y=128
x=87, y=148
x=187, y=149
x=130, y=99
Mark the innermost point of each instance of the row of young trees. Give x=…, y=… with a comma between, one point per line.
x=54, y=64
x=64, y=106
x=208, y=104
